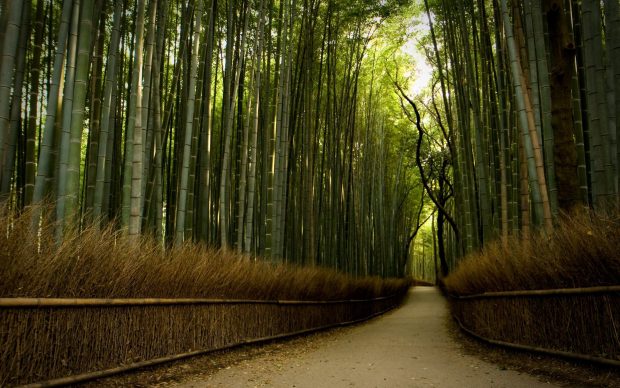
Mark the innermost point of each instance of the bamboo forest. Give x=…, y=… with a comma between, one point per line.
x=257, y=169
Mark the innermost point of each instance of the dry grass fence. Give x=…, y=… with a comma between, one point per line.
x=582, y=252
x=42, y=343
x=47, y=343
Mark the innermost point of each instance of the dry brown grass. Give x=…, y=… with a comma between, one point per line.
x=106, y=264
x=46, y=343
x=582, y=251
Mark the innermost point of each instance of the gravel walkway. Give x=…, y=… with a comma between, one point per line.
x=408, y=347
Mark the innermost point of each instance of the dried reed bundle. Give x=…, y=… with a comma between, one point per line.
x=46, y=343
x=42, y=344
x=580, y=324
x=582, y=251
x=103, y=263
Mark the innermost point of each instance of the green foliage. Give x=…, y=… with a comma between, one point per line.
x=330, y=164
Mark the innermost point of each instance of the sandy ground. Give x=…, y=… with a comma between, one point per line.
x=408, y=347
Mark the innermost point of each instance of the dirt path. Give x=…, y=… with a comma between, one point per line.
x=409, y=347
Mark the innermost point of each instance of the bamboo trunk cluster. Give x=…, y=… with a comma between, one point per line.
x=244, y=124
x=528, y=114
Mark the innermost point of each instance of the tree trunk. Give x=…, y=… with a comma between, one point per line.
x=562, y=54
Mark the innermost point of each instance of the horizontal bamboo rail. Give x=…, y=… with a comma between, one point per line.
x=541, y=293
x=536, y=349
x=162, y=360
x=114, y=302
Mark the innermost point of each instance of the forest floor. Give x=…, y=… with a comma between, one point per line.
x=417, y=345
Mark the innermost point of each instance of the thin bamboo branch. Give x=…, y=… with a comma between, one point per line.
x=115, y=302
x=536, y=293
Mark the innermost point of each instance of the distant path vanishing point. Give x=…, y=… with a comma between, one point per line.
x=408, y=347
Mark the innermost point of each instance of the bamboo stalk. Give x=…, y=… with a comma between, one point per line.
x=115, y=302
x=550, y=292
x=536, y=349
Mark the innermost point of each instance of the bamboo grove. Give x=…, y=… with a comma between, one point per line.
x=525, y=108
x=254, y=125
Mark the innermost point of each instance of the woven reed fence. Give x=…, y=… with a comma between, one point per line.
x=48, y=339
x=579, y=323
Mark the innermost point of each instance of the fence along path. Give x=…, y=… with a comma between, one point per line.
x=58, y=341
x=583, y=320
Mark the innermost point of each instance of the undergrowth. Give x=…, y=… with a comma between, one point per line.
x=582, y=251
x=104, y=263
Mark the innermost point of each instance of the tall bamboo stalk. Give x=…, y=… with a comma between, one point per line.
x=7, y=68
x=526, y=121
x=189, y=126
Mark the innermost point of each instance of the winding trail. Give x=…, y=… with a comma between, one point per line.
x=408, y=347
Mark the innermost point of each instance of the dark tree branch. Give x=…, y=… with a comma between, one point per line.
x=418, y=224
x=423, y=176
